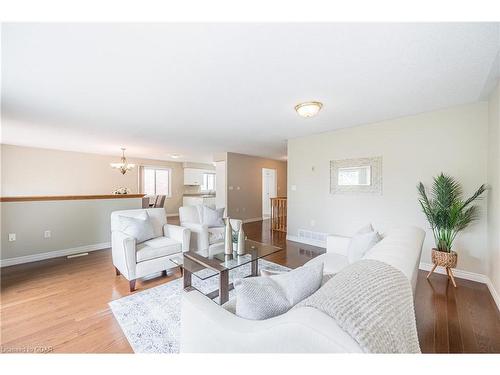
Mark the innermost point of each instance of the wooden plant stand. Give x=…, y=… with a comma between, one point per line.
x=446, y=260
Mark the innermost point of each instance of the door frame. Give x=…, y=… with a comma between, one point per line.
x=275, y=172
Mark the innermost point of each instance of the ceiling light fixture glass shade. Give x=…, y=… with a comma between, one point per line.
x=175, y=156
x=308, y=109
x=123, y=166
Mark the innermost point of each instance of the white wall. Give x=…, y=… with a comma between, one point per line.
x=221, y=186
x=414, y=149
x=494, y=188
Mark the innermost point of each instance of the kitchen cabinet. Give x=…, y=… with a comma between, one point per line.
x=193, y=177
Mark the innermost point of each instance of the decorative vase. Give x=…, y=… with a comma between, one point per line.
x=228, y=237
x=241, y=242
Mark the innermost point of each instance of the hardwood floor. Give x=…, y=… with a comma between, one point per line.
x=61, y=304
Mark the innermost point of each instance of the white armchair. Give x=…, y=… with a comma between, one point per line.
x=204, y=240
x=135, y=260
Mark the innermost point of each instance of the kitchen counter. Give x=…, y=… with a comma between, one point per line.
x=198, y=200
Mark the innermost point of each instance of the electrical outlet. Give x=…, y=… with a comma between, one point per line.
x=47, y=234
x=237, y=188
x=237, y=209
x=294, y=187
x=12, y=237
x=243, y=209
x=230, y=187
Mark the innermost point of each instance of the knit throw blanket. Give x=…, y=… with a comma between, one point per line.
x=373, y=302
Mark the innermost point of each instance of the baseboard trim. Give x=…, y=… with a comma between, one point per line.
x=494, y=293
x=289, y=237
x=461, y=274
x=53, y=254
x=252, y=220
x=472, y=276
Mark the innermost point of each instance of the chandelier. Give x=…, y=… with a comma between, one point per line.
x=123, y=166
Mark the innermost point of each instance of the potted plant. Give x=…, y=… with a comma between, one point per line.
x=447, y=214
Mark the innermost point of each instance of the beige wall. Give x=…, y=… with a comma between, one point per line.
x=494, y=188
x=37, y=171
x=245, y=172
x=414, y=149
x=75, y=225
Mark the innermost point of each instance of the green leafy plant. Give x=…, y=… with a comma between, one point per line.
x=446, y=211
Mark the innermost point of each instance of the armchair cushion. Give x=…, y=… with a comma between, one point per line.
x=139, y=227
x=156, y=248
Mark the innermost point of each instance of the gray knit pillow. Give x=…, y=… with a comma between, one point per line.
x=259, y=298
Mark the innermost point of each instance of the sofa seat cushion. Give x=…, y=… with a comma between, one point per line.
x=215, y=234
x=332, y=262
x=156, y=248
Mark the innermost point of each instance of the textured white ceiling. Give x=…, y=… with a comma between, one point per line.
x=198, y=89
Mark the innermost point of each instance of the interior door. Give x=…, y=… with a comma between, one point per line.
x=269, y=188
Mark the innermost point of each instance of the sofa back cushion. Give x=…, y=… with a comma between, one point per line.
x=259, y=298
x=401, y=248
x=157, y=217
x=189, y=214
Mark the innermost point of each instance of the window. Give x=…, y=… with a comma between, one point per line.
x=208, y=183
x=155, y=181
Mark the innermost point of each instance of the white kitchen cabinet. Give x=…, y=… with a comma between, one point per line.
x=193, y=177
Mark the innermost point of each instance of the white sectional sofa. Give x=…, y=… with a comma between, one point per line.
x=208, y=327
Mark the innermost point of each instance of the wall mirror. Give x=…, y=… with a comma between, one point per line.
x=363, y=175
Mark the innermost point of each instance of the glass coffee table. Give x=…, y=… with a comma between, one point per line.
x=205, y=267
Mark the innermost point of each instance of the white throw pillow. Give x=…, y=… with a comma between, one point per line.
x=212, y=217
x=360, y=244
x=259, y=298
x=139, y=227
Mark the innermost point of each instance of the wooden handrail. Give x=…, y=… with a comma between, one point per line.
x=279, y=214
x=68, y=197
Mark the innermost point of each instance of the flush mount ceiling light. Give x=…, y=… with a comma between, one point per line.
x=123, y=166
x=308, y=109
x=175, y=156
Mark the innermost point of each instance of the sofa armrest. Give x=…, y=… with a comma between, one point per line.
x=123, y=249
x=199, y=236
x=337, y=244
x=178, y=233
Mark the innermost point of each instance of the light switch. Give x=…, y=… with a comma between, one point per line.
x=47, y=234
x=294, y=187
x=230, y=188
x=12, y=237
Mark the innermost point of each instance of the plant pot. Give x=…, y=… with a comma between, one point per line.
x=443, y=259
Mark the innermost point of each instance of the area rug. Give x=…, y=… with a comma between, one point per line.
x=151, y=319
